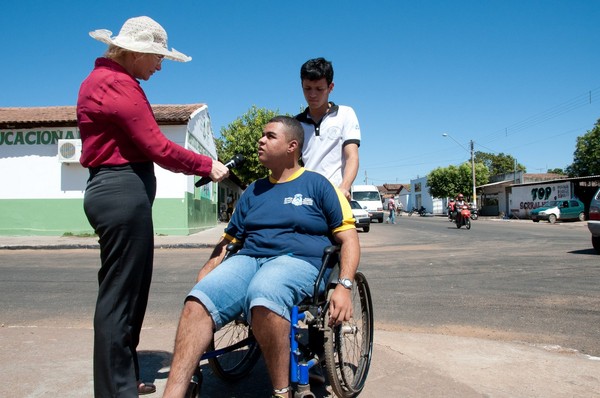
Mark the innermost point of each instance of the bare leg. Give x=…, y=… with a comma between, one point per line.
x=273, y=335
x=194, y=334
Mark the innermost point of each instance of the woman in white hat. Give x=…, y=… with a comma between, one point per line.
x=121, y=141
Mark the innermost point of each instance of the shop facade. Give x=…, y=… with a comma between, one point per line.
x=42, y=183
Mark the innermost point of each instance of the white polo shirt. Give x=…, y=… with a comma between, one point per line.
x=324, y=142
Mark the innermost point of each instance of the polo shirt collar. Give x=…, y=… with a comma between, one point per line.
x=304, y=117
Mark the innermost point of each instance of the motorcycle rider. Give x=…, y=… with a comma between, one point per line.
x=458, y=204
x=451, y=207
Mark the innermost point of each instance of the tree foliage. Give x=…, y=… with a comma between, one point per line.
x=241, y=137
x=557, y=170
x=586, y=158
x=447, y=182
x=498, y=164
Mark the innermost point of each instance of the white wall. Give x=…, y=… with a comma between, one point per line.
x=31, y=169
x=34, y=172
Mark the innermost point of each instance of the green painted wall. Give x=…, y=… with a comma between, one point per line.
x=183, y=216
x=56, y=217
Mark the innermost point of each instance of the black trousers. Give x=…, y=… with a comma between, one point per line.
x=118, y=204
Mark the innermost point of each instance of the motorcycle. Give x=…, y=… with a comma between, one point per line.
x=451, y=215
x=474, y=213
x=451, y=211
x=421, y=211
x=464, y=218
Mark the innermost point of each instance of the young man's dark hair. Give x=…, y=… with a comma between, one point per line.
x=294, y=128
x=316, y=69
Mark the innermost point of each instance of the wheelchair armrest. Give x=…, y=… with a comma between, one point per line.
x=233, y=247
x=330, y=260
x=331, y=249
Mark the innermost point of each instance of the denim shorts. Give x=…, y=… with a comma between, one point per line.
x=242, y=282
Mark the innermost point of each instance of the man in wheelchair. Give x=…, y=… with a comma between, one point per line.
x=284, y=221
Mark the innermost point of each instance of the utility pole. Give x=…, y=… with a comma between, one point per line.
x=473, y=172
x=472, y=163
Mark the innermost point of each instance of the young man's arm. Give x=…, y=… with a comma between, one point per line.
x=215, y=258
x=350, y=169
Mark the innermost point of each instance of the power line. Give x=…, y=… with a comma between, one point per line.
x=579, y=101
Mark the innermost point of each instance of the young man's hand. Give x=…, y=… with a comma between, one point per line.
x=340, y=306
x=345, y=192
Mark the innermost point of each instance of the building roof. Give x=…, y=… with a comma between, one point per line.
x=390, y=189
x=562, y=179
x=50, y=116
x=531, y=177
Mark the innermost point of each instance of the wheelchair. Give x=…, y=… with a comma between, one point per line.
x=344, y=350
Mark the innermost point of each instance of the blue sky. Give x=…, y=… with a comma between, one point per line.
x=515, y=76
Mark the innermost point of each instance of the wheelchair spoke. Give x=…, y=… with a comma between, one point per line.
x=348, y=346
x=236, y=351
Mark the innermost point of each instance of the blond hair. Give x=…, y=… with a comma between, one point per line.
x=115, y=52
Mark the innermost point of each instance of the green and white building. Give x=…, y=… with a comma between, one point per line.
x=42, y=183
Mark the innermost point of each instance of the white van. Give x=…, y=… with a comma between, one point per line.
x=369, y=198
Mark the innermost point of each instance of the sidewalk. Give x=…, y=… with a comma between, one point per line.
x=206, y=238
x=56, y=361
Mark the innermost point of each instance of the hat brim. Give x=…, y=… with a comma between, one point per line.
x=104, y=36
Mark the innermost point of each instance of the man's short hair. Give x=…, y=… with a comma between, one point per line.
x=293, y=128
x=317, y=69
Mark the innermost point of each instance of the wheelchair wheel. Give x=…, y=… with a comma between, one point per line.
x=236, y=364
x=348, y=347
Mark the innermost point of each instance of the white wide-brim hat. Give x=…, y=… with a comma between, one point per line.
x=142, y=35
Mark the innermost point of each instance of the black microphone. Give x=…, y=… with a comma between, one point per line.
x=236, y=161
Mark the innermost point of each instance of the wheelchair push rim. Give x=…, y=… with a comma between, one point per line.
x=348, y=347
x=233, y=365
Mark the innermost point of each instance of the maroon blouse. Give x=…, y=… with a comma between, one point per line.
x=117, y=125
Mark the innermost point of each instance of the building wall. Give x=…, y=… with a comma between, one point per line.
x=525, y=198
x=420, y=196
x=41, y=196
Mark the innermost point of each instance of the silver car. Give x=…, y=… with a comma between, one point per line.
x=361, y=216
x=594, y=221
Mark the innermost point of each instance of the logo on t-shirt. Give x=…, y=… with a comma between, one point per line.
x=298, y=200
x=334, y=133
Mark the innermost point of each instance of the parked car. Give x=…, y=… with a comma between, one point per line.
x=361, y=216
x=369, y=198
x=553, y=210
x=594, y=221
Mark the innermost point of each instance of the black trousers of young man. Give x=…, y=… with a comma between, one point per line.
x=118, y=204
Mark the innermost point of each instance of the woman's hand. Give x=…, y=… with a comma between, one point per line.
x=218, y=171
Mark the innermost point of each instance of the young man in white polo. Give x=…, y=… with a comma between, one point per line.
x=331, y=132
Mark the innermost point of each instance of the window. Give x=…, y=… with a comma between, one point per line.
x=365, y=195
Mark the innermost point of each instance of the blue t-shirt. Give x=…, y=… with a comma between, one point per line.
x=296, y=217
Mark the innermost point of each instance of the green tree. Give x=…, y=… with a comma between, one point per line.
x=443, y=182
x=447, y=182
x=586, y=158
x=557, y=170
x=498, y=164
x=241, y=137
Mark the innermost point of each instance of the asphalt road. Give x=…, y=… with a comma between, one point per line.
x=522, y=281
x=515, y=281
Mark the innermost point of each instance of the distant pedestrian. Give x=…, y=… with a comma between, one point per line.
x=392, y=208
x=230, y=206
